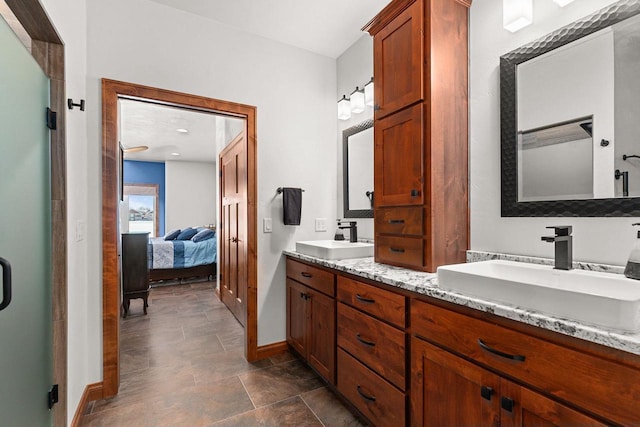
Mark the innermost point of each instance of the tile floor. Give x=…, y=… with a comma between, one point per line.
x=183, y=365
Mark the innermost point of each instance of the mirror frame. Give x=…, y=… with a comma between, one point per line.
x=612, y=207
x=352, y=213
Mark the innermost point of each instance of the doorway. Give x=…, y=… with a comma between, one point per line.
x=112, y=92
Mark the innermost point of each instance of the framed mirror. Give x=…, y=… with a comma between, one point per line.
x=570, y=119
x=357, y=170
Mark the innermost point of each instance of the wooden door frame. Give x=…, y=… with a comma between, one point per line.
x=48, y=50
x=111, y=91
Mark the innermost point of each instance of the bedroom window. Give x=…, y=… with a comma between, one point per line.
x=140, y=208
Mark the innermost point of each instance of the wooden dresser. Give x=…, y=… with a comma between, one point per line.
x=420, y=132
x=135, y=269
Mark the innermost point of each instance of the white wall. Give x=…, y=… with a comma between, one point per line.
x=190, y=194
x=606, y=240
x=84, y=326
x=147, y=43
x=354, y=68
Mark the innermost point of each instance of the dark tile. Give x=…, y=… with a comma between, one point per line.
x=133, y=360
x=326, y=406
x=292, y=378
x=155, y=381
x=214, y=367
x=291, y=412
x=283, y=357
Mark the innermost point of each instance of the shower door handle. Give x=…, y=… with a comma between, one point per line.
x=6, y=283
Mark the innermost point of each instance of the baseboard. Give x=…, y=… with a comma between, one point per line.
x=91, y=392
x=269, y=350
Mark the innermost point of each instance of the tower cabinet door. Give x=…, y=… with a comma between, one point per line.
x=297, y=325
x=398, y=69
x=398, y=159
x=449, y=391
x=322, y=334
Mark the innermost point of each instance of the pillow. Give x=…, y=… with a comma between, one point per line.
x=171, y=235
x=187, y=234
x=205, y=234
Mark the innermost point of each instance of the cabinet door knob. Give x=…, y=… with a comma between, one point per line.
x=507, y=404
x=376, y=107
x=415, y=193
x=486, y=392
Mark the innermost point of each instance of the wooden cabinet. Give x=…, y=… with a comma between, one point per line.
x=311, y=316
x=420, y=132
x=372, y=350
x=573, y=383
x=135, y=269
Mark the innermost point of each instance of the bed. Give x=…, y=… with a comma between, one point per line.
x=181, y=259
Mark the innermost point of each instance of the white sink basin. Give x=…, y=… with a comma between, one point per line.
x=602, y=299
x=335, y=249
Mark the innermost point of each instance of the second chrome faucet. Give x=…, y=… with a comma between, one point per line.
x=563, y=242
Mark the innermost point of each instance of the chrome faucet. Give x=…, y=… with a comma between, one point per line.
x=353, y=229
x=563, y=246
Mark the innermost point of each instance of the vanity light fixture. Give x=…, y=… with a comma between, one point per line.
x=344, y=108
x=562, y=3
x=368, y=93
x=516, y=14
x=357, y=101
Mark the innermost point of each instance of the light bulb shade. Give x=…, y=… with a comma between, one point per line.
x=562, y=3
x=344, y=108
x=368, y=93
x=516, y=14
x=357, y=101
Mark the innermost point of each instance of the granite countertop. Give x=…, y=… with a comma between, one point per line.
x=427, y=284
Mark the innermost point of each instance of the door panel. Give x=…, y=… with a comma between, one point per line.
x=25, y=242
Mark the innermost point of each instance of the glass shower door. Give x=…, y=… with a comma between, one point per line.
x=25, y=238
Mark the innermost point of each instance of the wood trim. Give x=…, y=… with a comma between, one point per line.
x=91, y=392
x=48, y=51
x=274, y=349
x=386, y=15
x=111, y=91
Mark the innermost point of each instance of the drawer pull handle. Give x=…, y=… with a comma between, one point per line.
x=365, y=342
x=396, y=250
x=486, y=392
x=396, y=221
x=365, y=396
x=365, y=300
x=507, y=404
x=305, y=274
x=515, y=357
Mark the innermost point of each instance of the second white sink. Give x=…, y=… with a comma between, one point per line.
x=602, y=299
x=334, y=249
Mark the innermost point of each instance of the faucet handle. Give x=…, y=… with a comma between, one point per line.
x=562, y=230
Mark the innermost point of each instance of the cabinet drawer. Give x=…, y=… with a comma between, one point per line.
x=404, y=220
x=599, y=385
x=403, y=251
x=373, y=396
x=313, y=277
x=379, y=346
x=386, y=305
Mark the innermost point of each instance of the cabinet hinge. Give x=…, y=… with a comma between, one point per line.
x=52, y=119
x=53, y=396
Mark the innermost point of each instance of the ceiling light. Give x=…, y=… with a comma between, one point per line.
x=175, y=154
x=357, y=100
x=344, y=110
x=136, y=149
x=516, y=14
x=368, y=93
x=562, y=3
x=182, y=130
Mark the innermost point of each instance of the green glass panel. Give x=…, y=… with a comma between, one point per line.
x=25, y=236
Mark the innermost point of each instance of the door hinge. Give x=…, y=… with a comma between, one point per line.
x=52, y=116
x=53, y=395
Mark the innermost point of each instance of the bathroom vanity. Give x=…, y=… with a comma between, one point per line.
x=402, y=351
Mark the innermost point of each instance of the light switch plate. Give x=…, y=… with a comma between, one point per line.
x=80, y=230
x=321, y=224
x=267, y=225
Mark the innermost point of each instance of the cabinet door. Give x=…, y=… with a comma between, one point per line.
x=449, y=391
x=398, y=159
x=523, y=407
x=297, y=325
x=322, y=334
x=398, y=67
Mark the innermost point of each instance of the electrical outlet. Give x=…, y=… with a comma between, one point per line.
x=267, y=225
x=321, y=224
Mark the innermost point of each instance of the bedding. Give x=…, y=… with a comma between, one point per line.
x=173, y=254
